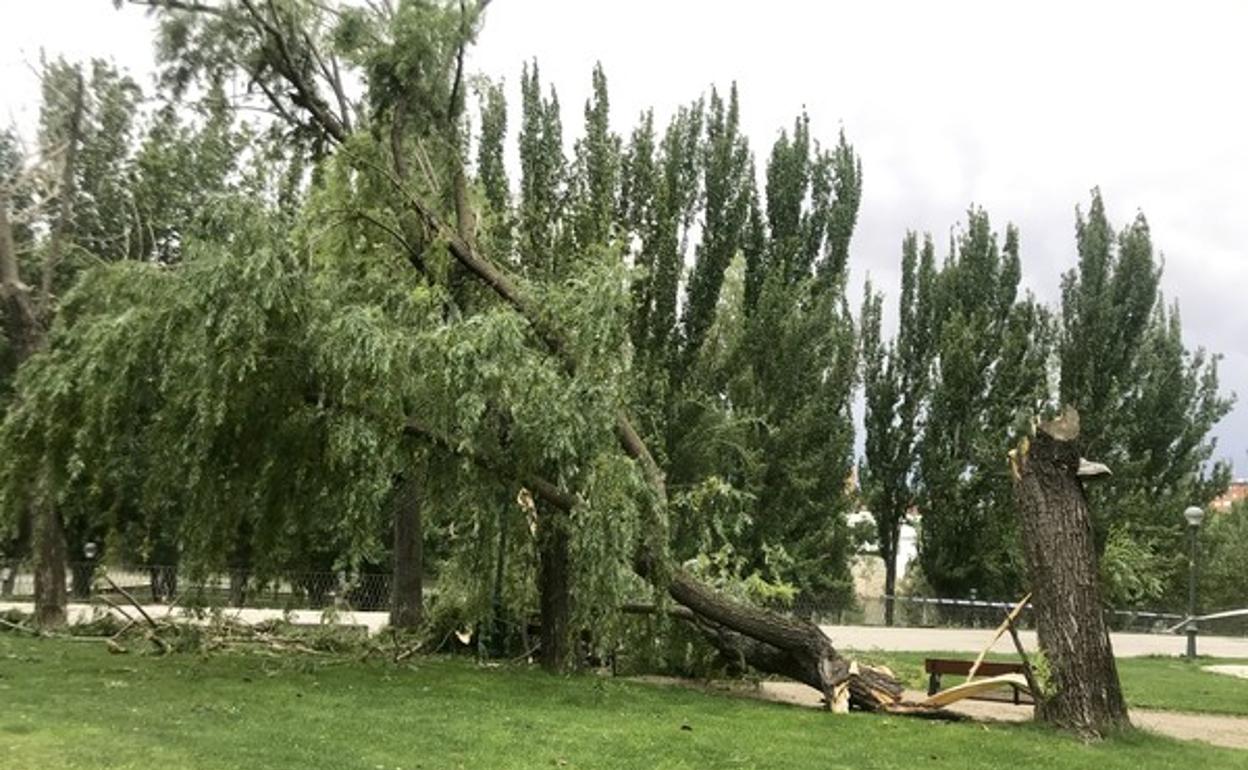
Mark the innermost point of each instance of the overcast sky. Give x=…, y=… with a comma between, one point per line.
x=1019, y=109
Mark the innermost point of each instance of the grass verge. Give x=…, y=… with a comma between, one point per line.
x=72, y=705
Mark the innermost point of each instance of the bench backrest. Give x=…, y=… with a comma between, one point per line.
x=963, y=667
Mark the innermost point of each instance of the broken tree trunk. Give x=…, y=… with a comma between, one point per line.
x=47, y=532
x=1084, y=693
x=768, y=641
x=840, y=681
x=779, y=644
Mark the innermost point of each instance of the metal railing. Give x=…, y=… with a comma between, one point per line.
x=297, y=590
x=941, y=612
x=158, y=584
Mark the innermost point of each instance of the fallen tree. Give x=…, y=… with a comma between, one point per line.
x=768, y=641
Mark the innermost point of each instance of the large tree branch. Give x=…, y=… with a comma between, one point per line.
x=307, y=95
x=16, y=294
x=332, y=78
x=183, y=5
x=767, y=640
x=510, y=291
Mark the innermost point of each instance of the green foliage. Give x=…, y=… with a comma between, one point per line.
x=990, y=379
x=1131, y=572
x=730, y=573
x=1148, y=403
x=729, y=192
x=896, y=379
x=177, y=174
x=1223, y=581
x=253, y=380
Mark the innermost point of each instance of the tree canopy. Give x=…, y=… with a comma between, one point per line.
x=302, y=274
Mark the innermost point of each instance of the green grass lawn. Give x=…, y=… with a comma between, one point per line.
x=65, y=704
x=1171, y=684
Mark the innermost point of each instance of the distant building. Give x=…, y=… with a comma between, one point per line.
x=868, y=568
x=1237, y=491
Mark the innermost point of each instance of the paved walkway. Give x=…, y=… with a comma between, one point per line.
x=373, y=621
x=972, y=640
x=1228, y=731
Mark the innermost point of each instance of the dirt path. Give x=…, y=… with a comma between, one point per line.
x=1228, y=731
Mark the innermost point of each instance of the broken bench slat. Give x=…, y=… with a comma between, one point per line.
x=977, y=687
x=935, y=667
x=1009, y=618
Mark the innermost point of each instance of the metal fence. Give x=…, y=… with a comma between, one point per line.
x=364, y=591
x=164, y=584
x=936, y=612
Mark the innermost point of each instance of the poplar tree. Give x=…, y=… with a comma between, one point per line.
x=989, y=379
x=1148, y=404
x=896, y=378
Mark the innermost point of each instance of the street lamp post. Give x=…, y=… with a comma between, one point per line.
x=1194, y=516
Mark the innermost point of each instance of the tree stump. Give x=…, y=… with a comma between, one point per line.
x=1084, y=694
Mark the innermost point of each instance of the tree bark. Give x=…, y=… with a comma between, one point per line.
x=407, y=593
x=50, y=565
x=554, y=590
x=47, y=530
x=890, y=581
x=498, y=632
x=239, y=576
x=1085, y=694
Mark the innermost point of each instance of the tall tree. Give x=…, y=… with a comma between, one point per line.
x=896, y=380
x=523, y=384
x=29, y=313
x=992, y=353
x=728, y=188
x=1148, y=403
x=797, y=365
x=545, y=256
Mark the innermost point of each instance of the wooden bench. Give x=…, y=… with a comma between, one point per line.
x=935, y=667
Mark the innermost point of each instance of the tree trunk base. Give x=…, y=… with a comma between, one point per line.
x=555, y=592
x=407, y=591
x=1086, y=696
x=51, y=559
